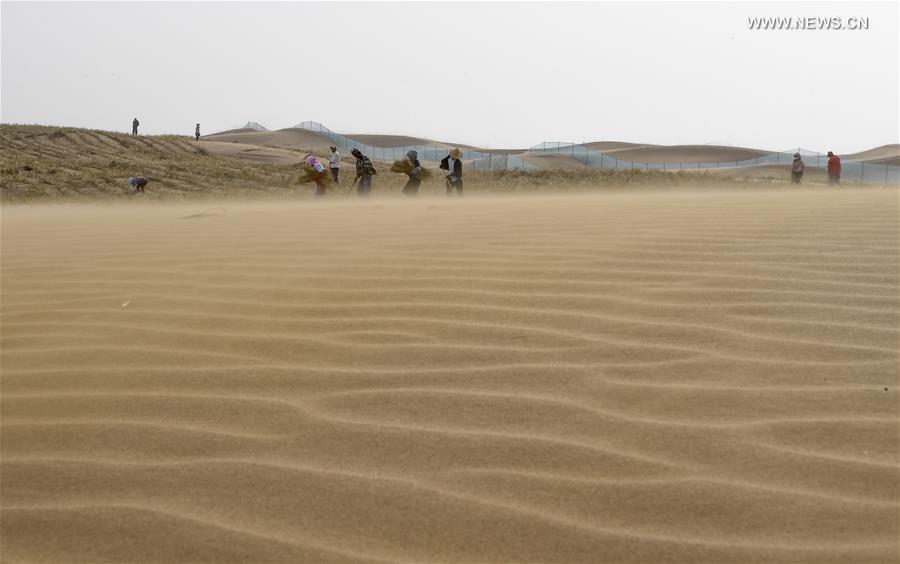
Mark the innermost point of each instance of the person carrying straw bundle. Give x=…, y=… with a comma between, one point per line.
x=411, y=167
x=314, y=171
x=452, y=167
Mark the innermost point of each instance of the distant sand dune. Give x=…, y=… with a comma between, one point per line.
x=291, y=138
x=303, y=139
x=393, y=140
x=885, y=155
x=685, y=154
x=388, y=141
x=625, y=377
x=256, y=153
x=559, y=161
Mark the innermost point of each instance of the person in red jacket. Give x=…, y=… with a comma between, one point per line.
x=834, y=168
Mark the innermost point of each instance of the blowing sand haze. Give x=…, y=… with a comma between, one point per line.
x=560, y=282
x=646, y=377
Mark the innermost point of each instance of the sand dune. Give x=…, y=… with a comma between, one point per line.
x=558, y=161
x=885, y=155
x=685, y=153
x=305, y=140
x=388, y=141
x=653, y=377
x=247, y=152
x=291, y=138
x=393, y=140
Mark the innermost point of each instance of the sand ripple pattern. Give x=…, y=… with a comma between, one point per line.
x=685, y=377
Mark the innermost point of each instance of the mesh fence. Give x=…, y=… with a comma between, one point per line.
x=853, y=171
x=255, y=126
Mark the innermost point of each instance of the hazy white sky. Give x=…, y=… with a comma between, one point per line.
x=499, y=75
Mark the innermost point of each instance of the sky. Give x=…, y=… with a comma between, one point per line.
x=499, y=75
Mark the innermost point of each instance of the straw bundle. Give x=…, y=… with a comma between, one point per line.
x=308, y=174
x=404, y=166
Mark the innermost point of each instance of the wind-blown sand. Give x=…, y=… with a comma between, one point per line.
x=643, y=377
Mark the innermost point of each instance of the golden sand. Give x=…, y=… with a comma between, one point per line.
x=648, y=377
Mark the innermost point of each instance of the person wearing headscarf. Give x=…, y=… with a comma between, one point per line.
x=412, y=185
x=318, y=169
x=197, y=132
x=364, y=173
x=452, y=167
x=797, y=168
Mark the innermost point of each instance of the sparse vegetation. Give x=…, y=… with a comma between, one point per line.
x=47, y=163
x=39, y=163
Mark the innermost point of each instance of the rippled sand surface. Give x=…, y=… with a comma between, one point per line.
x=693, y=377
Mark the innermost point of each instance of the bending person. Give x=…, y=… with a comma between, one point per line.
x=138, y=182
x=364, y=173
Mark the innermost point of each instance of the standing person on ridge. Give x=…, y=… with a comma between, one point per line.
x=364, y=173
x=197, y=132
x=834, y=168
x=452, y=167
x=797, y=168
x=412, y=185
x=134, y=126
x=335, y=161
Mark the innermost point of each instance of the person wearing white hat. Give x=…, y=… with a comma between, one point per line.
x=335, y=163
x=452, y=167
